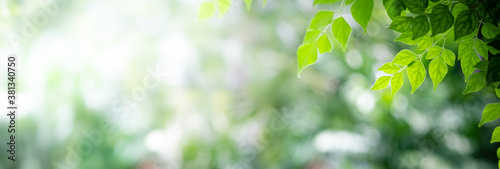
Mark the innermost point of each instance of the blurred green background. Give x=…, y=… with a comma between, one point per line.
x=143, y=84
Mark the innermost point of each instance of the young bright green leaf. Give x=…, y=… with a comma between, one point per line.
x=381, y=83
x=324, y=44
x=433, y=52
x=321, y=19
x=361, y=11
x=482, y=65
x=498, y=153
x=347, y=2
x=497, y=91
x=495, y=137
x=406, y=37
x=416, y=74
x=465, y=23
x=491, y=112
x=490, y=31
x=223, y=6
x=481, y=48
x=465, y=47
x=477, y=81
x=389, y=68
x=264, y=2
x=248, y=3
x=459, y=7
x=306, y=55
x=441, y=19
x=425, y=42
x=404, y=57
x=468, y=61
x=419, y=26
x=311, y=36
x=437, y=71
x=415, y=6
x=401, y=23
x=341, y=30
x=324, y=2
x=394, y=8
x=448, y=57
x=206, y=10
x=396, y=82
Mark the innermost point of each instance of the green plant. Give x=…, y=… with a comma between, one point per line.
x=474, y=25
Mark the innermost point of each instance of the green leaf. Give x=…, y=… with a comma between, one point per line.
x=481, y=48
x=482, y=65
x=468, y=61
x=495, y=137
x=425, y=42
x=441, y=19
x=497, y=91
x=493, y=50
x=415, y=6
x=493, y=74
x=490, y=31
x=306, y=55
x=321, y=19
x=396, y=82
x=324, y=2
x=406, y=37
x=416, y=74
x=361, y=11
x=487, y=11
x=491, y=112
x=419, y=26
x=341, y=30
x=437, y=71
x=389, y=68
x=381, y=83
x=459, y=7
x=498, y=153
x=394, y=8
x=347, y=2
x=223, y=6
x=433, y=52
x=401, y=23
x=311, y=36
x=477, y=81
x=465, y=47
x=469, y=2
x=404, y=57
x=448, y=57
x=206, y=11
x=324, y=44
x=248, y=3
x=465, y=24
x=264, y=2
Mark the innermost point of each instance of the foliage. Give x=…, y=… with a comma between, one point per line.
x=474, y=25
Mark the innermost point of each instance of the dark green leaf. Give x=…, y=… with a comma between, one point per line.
x=361, y=11
x=437, y=71
x=341, y=30
x=465, y=24
x=441, y=19
x=416, y=74
x=394, y=8
x=381, y=83
x=487, y=11
x=419, y=26
x=415, y=6
x=459, y=7
x=401, y=23
x=469, y=2
x=321, y=19
x=493, y=74
x=477, y=81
